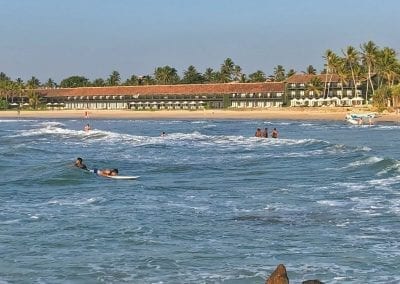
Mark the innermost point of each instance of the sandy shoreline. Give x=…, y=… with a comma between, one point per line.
x=281, y=113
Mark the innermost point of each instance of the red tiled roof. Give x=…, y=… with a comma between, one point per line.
x=305, y=78
x=168, y=89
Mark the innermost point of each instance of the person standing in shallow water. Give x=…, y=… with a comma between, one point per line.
x=258, y=133
x=274, y=133
x=264, y=133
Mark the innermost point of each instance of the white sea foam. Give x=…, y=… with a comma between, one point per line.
x=332, y=203
x=363, y=162
x=79, y=202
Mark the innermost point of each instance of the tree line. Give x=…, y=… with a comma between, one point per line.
x=375, y=67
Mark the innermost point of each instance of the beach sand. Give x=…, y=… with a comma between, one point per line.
x=271, y=114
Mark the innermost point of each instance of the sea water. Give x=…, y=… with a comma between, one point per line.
x=213, y=203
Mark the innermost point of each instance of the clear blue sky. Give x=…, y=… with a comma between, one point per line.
x=61, y=38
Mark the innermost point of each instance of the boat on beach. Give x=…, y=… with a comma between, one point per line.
x=360, y=118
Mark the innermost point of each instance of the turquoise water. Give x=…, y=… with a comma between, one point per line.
x=213, y=204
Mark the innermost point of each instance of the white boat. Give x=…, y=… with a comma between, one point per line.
x=360, y=118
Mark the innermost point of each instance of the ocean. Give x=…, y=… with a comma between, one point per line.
x=213, y=203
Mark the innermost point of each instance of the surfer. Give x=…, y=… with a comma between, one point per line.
x=87, y=127
x=274, y=133
x=79, y=163
x=106, y=172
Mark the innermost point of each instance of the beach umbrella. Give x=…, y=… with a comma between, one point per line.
x=192, y=103
x=154, y=103
x=13, y=104
x=132, y=103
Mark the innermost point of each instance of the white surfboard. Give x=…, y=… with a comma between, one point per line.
x=122, y=177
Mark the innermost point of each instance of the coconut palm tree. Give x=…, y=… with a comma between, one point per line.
x=114, y=79
x=227, y=70
x=258, y=76
x=310, y=70
x=191, y=76
x=369, y=57
x=351, y=58
x=315, y=86
x=329, y=57
x=166, y=75
x=279, y=73
x=387, y=66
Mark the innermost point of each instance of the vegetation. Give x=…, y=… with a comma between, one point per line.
x=376, y=69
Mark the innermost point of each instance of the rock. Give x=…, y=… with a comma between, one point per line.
x=279, y=276
x=312, y=282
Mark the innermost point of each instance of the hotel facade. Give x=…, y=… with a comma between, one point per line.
x=294, y=92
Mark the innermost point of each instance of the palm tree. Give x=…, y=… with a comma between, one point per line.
x=291, y=72
x=33, y=96
x=166, y=75
x=310, y=70
x=99, y=82
x=395, y=92
x=315, y=86
x=369, y=56
x=114, y=79
x=33, y=83
x=227, y=70
x=330, y=57
x=387, y=65
x=132, y=81
x=191, y=76
x=339, y=65
x=210, y=76
x=50, y=83
x=237, y=73
x=258, y=76
x=351, y=59
x=4, y=77
x=279, y=73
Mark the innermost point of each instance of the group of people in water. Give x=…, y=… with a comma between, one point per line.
x=264, y=133
x=103, y=172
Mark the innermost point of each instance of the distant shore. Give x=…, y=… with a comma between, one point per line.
x=275, y=113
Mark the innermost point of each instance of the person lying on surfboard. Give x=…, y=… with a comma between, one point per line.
x=106, y=172
x=79, y=163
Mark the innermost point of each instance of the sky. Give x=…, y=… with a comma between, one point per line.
x=61, y=38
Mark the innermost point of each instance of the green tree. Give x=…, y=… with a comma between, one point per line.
x=395, y=94
x=315, y=86
x=4, y=77
x=50, y=83
x=381, y=97
x=279, y=73
x=74, y=82
x=237, y=73
x=330, y=58
x=226, y=71
x=114, y=79
x=33, y=83
x=166, y=75
x=191, y=76
x=351, y=56
x=310, y=70
x=132, y=81
x=369, y=54
x=387, y=66
x=98, y=82
x=210, y=76
x=291, y=72
x=258, y=76
x=146, y=80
